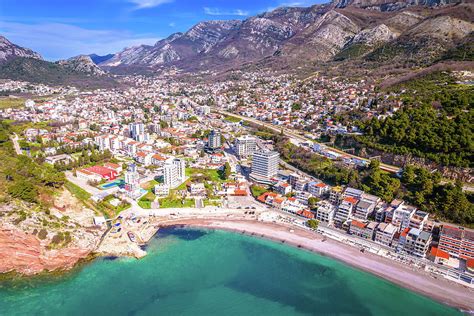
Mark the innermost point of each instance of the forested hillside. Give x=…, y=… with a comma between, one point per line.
x=435, y=122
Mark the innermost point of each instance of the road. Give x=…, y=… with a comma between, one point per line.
x=84, y=185
x=16, y=145
x=296, y=138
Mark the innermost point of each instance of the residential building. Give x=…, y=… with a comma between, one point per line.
x=318, y=188
x=132, y=180
x=136, y=129
x=357, y=228
x=384, y=234
x=418, y=220
x=214, y=141
x=402, y=216
x=457, y=241
x=345, y=210
x=335, y=195
x=414, y=241
x=245, y=145
x=422, y=244
x=264, y=164
x=363, y=209
x=351, y=192
x=325, y=212
x=174, y=172
x=161, y=189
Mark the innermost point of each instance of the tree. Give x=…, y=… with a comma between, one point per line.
x=312, y=202
x=312, y=223
x=227, y=170
x=24, y=190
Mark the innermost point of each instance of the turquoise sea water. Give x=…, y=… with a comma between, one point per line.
x=196, y=272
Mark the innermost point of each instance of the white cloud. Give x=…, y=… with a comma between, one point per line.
x=58, y=41
x=146, y=4
x=216, y=11
x=172, y=24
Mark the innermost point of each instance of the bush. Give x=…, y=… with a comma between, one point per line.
x=43, y=234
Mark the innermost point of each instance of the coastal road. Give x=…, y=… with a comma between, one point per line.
x=296, y=138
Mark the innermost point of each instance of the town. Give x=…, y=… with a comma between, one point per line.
x=161, y=146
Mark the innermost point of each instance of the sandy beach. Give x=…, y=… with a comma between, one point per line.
x=439, y=289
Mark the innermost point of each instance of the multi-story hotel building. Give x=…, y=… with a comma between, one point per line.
x=457, y=241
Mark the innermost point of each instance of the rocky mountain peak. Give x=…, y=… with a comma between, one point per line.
x=82, y=63
x=9, y=50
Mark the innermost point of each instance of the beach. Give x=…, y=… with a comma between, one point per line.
x=439, y=289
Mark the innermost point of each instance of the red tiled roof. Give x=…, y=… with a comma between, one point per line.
x=436, y=252
x=351, y=199
x=240, y=192
x=358, y=224
x=307, y=214
x=405, y=232
x=470, y=263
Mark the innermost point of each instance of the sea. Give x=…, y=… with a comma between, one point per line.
x=211, y=272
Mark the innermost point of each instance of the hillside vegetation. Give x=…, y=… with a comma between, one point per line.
x=435, y=122
x=40, y=71
x=417, y=185
x=23, y=178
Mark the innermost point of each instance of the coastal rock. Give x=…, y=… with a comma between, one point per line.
x=26, y=254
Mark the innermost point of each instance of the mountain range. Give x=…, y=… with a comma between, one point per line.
x=18, y=63
x=373, y=30
x=356, y=34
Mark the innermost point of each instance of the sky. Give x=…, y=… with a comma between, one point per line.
x=59, y=29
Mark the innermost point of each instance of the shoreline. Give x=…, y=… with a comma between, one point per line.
x=438, y=289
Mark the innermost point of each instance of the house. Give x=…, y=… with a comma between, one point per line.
x=113, y=166
x=58, y=158
x=282, y=187
x=157, y=160
x=197, y=188
x=318, y=188
x=305, y=214
x=161, y=189
x=99, y=220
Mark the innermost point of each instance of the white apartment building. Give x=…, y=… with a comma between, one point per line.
x=345, y=210
x=174, y=172
x=245, y=145
x=265, y=164
x=418, y=220
x=325, y=212
x=402, y=215
x=385, y=233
